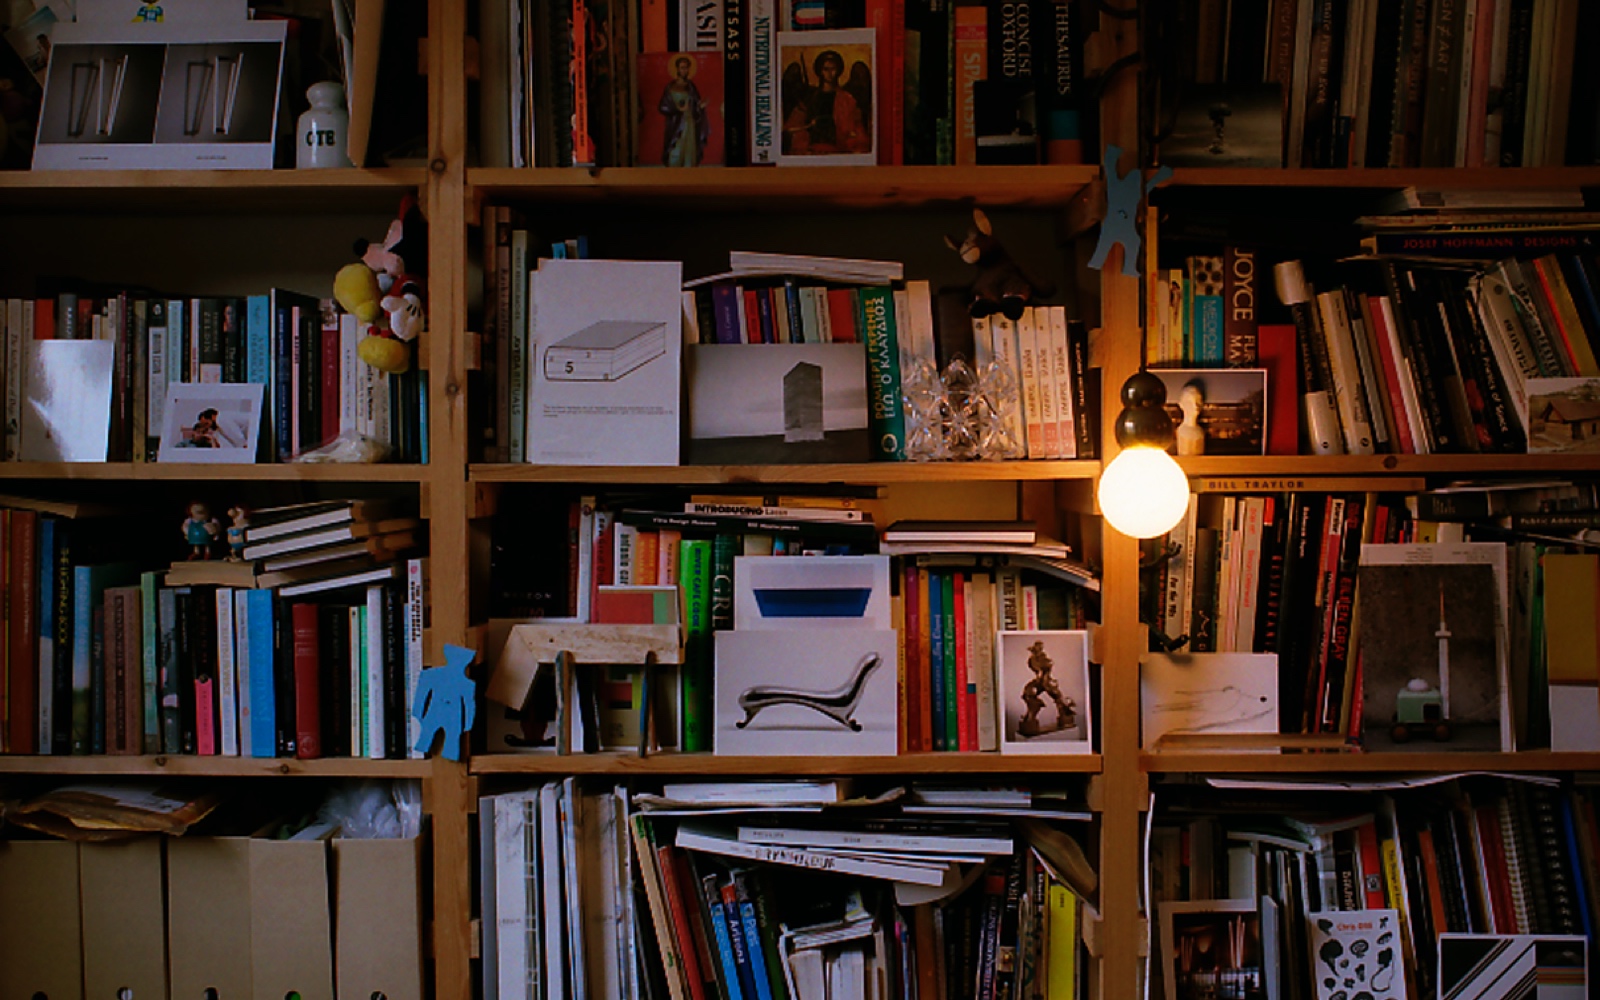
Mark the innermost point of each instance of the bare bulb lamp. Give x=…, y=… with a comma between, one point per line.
x=1143, y=492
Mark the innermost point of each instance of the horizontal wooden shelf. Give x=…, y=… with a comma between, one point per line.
x=286, y=472
x=1381, y=465
x=790, y=188
x=1354, y=765
x=864, y=472
x=711, y=765
x=215, y=767
x=1449, y=178
x=139, y=192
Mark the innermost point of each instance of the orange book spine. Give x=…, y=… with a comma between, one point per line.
x=972, y=64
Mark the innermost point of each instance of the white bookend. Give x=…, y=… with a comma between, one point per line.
x=373, y=628
x=227, y=675
x=1352, y=405
x=1061, y=371
x=241, y=659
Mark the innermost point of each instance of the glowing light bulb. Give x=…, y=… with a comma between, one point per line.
x=1143, y=492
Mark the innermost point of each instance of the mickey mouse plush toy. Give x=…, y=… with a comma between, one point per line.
x=384, y=289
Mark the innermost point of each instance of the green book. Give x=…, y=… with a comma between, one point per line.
x=885, y=417
x=694, y=579
x=149, y=584
x=723, y=548
x=952, y=690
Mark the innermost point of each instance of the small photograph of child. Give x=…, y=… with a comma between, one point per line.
x=212, y=423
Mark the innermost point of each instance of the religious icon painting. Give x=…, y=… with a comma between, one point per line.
x=827, y=97
x=1043, y=684
x=680, y=109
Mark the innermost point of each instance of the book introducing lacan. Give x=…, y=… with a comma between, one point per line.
x=607, y=338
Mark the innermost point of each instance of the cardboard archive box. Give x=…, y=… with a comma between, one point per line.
x=378, y=918
x=40, y=941
x=249, y=917
x=124, y=924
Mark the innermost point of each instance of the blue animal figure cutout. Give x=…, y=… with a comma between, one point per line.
x=446, y=702
x=1121, y=224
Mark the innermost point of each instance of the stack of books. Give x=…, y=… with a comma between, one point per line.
x=758, y=889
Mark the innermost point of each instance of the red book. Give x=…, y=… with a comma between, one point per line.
x=1433, y=888
x=22, y=634
x=1275, y=351
x=205, y=717
x=44, y=319
x=842, y=315
x=329, y=399
x=752, y=317
x=307, y=697
x=674, y=885
x=911, y=681
x=1501, y=909
x=1371, y=866
x=964, y=697
x=1381, y=316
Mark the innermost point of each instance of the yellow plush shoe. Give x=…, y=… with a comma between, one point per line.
x=385, y=354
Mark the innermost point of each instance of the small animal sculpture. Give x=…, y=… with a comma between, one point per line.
x=1001, y=286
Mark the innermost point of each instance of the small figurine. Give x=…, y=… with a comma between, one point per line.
x=238, y=521
x=445, y=706
x=1044, y=683
x=1191, y=439
x=384, y=289
x=1001, y=286
x=200, y=530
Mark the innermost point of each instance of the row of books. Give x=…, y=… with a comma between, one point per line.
x=1495, y=856
x=622, y=894
x=1482, y=588
x=1382, y=83
x=741, y=82
x=302, y=350
x=209, y=657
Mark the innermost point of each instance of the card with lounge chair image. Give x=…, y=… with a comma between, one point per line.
x=834, y=693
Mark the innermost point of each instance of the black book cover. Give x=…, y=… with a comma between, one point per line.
x=1487, y=393
x=1085, y=390
x=1410, y=308
x=1007, y=960
x=1514, y=92
x=1450, y=874
x=927, y=94
x=1555, y=863
x=187, y=625
x=1386, y=82
x=309, y=343
x=702, y=871
x=97, y=680
x=61, y=653
x=1434, y=314
x=1336, y=651
x=736, y=83
x=1298, y=637
x=333, y=633
x=1322, y=88
x=210, y=328
x=284, y=718
x=1203, y=630
x=233, y=342
x=1443, y=84
x=395, y=710
x=1405, y=133
x=1269, y=595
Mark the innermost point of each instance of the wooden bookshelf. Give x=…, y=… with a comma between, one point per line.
x=791, y=187
x=214, y=767
x=117, y=192
x=868, y=473
x=1465, y=466
x=710, y=765
x=1462, y=179
x=268, y=473
x=1347, y=765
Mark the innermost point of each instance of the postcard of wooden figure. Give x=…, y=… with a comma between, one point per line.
x=1433, y=647
x=1564, y=415
x=779, y=592
x=827, y=94
x=834, y=693
x=1211, y=948
x=1044, y=686
x=1356, y=953
x=1505, y=966
x=1203, y=693
x=680, y=109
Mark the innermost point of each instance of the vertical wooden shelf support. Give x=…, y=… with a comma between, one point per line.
x=447, y=790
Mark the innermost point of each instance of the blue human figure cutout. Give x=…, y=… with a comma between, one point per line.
x=445, y=704
x=1121, y=224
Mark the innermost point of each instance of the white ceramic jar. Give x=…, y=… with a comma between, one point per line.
x=322, y=133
